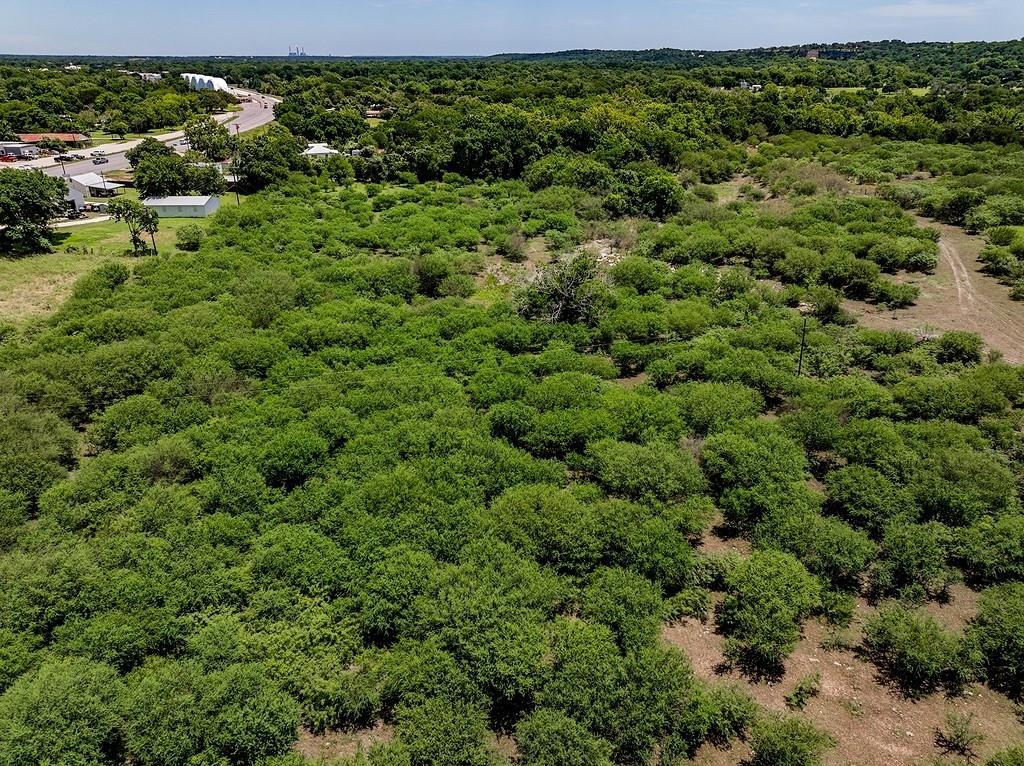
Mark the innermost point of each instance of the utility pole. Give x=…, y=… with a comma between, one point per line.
x=803, y=343
x=234, y=167
x=805, y=309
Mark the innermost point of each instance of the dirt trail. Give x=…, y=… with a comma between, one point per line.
x=958, y=296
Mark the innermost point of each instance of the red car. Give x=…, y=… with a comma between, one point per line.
x=8, y=158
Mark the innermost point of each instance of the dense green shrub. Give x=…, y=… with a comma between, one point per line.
x=1012, y=756
x=913, y=561
x=769, y=595
x=340, y=465
x=62, y=712
x=788, y=741
x=550, y=738
x=189, y=237
x=914, y=652
x=997, y=633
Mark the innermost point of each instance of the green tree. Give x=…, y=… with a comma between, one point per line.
x=36, y=449
x=444, y=733
x=208, y=137
x=628, y=604
x=147, y=148
x=645, y=472
x=28, y=201
x=245, y=716
x=189, y=237
x=139, y=219
x=163, y=719
x=266, y=158
x=161, y=176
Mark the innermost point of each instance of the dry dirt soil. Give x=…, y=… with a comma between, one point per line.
x=332, y=745
x=873, y=724
x=958, y=296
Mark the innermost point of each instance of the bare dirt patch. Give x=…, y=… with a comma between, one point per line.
x=873, y=724
x=955, y=613
x=715, y=542
x=606, y=251
x=499, y=271
x=341, y=744
x=729, y=191
x=958, y=296
x=633, y=380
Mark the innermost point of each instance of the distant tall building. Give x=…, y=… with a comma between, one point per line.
x=299, y=51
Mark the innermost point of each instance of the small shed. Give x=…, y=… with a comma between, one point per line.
x=183, y=207
x=94, y=185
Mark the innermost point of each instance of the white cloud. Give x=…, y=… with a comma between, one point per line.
x=925, y=9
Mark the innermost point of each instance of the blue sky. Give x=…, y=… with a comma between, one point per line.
x=423, y=27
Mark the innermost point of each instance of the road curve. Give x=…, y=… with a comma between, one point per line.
x=255, y=113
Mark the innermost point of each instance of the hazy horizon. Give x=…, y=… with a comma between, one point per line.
x=487, y=27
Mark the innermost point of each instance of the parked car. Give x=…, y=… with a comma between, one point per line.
x=100, y=160
x=97, y=153
x=8, y=158
x=63, y=158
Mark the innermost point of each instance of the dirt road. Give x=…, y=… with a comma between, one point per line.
x=958, y=296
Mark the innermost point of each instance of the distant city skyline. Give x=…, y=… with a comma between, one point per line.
x=483, y=27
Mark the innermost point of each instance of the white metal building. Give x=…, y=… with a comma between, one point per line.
x=183, y=207
x=94, y=185
x=74, y=196
x=205, y=82
x=319, y=151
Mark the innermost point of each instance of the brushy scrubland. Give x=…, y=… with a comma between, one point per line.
x=980, y=188
x=331, y=467
x=317, y=483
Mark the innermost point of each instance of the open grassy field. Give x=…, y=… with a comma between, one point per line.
x=914, y=91
x=34, y=287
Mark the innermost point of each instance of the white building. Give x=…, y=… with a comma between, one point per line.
x=94, y=185
x=74, y=196
x=319, y=151
x=183, y=207
x=204, y=82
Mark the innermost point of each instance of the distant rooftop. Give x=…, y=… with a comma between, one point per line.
x=182, y=200
x=68, y=138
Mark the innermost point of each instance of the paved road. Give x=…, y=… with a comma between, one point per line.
x=253, y=115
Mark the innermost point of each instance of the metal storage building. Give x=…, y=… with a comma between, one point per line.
x=183, y=207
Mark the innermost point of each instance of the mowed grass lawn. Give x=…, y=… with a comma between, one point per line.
x=35, y=286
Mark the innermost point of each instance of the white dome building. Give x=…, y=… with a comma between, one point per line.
x=204, y=82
